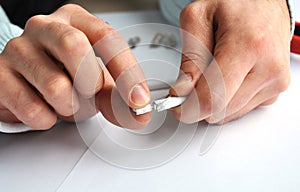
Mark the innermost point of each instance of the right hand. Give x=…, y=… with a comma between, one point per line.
x=235, y=58
x=35, y=88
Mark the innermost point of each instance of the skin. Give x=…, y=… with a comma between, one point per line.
x=39, y=69
x=235, y=59
x=242, y=62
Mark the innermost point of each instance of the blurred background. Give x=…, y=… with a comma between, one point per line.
x=96, y=6
x=19, y=11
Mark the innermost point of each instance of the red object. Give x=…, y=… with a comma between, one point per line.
x=295, y=45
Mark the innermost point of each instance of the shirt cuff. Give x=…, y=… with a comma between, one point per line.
x=7, y=29
x=171, y=9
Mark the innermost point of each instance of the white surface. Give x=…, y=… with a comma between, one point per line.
x=297, y=12
x=39, y=161
x=260, y=152
x=13, y=128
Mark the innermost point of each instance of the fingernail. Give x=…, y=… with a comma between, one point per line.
x=139, y=96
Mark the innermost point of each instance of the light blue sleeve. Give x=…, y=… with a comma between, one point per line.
x=171, y=9
x=7, y=30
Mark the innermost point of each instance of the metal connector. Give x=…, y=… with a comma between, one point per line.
x=161, y=105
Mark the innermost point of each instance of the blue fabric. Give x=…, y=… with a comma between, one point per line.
x=7, y=30
x=171, y=9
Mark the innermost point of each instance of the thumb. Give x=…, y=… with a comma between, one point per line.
x=197, y=33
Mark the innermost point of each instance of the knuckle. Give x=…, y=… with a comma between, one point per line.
x=34, y=21
x=193, y=11
x=71, y=7
x=73, y=42
x=189, y=13
x=56, y=86
x=107, y=32
x=35, y=68
x=283, y=84
x=54, y=27
x=14, y=46
x=280, y=76
x=258, y=42
x=261, y=41
x=194, y=62
x=30, y=112
x=17, y=55
x=269, y=101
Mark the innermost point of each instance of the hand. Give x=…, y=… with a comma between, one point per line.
x=235, y=58
x=39, y=68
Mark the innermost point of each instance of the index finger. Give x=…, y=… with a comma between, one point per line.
x=197, y=33
x=114, y=52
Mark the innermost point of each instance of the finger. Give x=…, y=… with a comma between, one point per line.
x=41, y=72
x=207, y=99
x=123, y=67
x=222, y=78
x=255, y=87
x=115, y=110
x=268, y=94
x=8, y=117
x=71, y=47
x=252, y=84
x=253, y=104
x=87, y=110
x=116, y=55
x=269, y=101
x=197, y=32
x=112, y=107
x=28, y=107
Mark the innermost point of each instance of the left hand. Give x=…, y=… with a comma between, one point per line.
x=52, y=71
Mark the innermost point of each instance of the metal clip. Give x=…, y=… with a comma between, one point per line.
x=161, y=105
